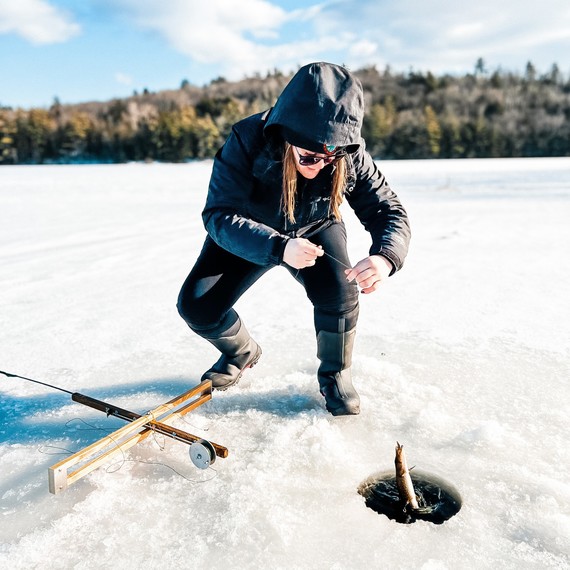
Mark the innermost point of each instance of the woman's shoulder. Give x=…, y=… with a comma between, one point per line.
x=250, y=127
x=254, y=139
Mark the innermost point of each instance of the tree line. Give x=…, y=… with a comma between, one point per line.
x=412, y=115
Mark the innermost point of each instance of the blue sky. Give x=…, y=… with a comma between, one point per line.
x=99, y=49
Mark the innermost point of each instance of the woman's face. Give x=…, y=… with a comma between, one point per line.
x=312, y=170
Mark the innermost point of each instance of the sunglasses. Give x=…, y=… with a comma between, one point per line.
x=311, y=160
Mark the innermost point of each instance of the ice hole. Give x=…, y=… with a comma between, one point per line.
x=438, y=499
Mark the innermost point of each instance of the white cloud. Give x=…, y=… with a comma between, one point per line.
x=461, y=31
x=238, y=38
x=36, y=21
x=208, y=31
x=444, y=36
x=123, y=79
x=363, y=48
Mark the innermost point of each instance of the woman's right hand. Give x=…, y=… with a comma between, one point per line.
x=300, y=253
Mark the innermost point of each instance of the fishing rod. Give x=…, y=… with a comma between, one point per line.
x=10, y=375
x=197, y=455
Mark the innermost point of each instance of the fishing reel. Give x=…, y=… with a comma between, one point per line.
x=202, y=454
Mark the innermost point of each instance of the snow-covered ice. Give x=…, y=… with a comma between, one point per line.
x=462, y=357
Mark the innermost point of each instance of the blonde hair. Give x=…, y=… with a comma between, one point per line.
x=289, y=192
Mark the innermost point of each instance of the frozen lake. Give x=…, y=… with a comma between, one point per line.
x=463, y=357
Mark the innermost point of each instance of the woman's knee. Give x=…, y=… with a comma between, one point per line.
x=186, y=305
x=191, y=307
x=335, y=295
x=206, y=315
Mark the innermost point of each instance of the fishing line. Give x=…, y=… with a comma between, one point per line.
x=337, y=260
x=62, y=450
x=183, y=419
x=158, y=463
x=118, y=465
x=161, y=446
x=125, y=460
x=333, y=258
x=90, y=427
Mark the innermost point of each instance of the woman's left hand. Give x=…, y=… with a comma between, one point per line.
x=370, y=272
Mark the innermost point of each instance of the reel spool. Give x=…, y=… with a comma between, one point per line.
x=202, y=454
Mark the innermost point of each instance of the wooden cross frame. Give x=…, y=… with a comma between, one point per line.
x=73, y=468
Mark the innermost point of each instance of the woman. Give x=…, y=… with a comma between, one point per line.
x=274, y=197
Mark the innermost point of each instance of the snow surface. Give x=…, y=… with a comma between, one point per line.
x=462, y=357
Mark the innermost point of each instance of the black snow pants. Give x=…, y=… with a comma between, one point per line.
x=219, y=278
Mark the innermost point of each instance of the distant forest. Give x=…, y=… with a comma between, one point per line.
x=411, y=115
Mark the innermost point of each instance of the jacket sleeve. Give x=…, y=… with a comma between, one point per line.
x=379, y=210
x=225, y=215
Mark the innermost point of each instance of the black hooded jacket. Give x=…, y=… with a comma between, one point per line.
x=322, y=105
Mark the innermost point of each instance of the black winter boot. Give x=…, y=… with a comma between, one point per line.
x=335, y=353
x=239, y=352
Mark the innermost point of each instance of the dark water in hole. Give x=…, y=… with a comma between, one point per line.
x=438, y=499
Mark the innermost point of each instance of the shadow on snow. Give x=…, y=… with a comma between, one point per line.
x=40, y=419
